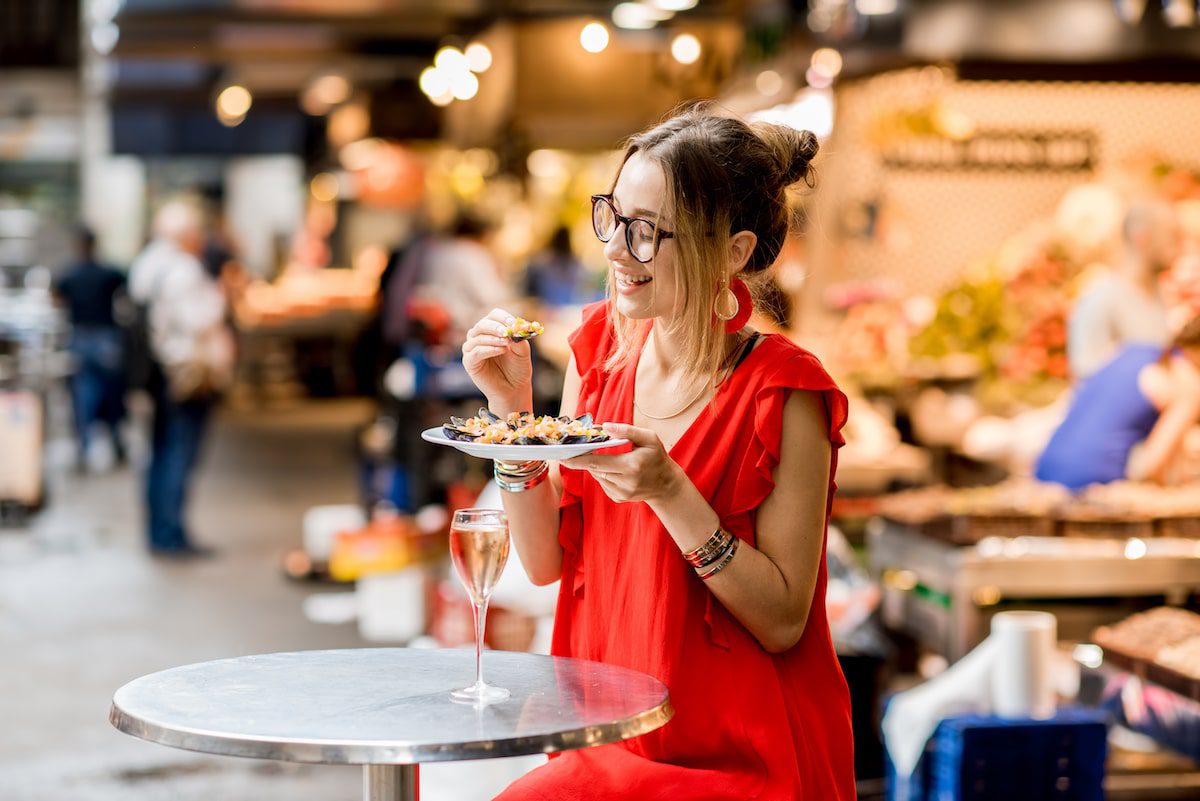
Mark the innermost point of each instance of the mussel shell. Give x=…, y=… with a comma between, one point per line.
x=486, y=414
x=585, y=420
x=529, y=441
x=579, y=439
x=458, y=434
x=521, y=337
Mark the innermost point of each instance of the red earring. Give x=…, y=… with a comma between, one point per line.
x=734, y=305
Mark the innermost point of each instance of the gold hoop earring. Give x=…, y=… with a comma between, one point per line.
x=726, y=305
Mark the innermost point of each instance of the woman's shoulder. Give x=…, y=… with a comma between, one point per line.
x=787, y=363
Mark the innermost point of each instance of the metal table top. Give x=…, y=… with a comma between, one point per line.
x=387, y=706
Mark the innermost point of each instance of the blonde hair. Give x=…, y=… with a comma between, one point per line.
x=723, y=176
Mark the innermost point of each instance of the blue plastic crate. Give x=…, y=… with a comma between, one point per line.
x=986, y=758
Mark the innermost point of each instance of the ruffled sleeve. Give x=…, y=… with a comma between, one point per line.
x=592, y=341
x=754, y=468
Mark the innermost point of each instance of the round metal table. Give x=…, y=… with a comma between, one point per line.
x=387, y=709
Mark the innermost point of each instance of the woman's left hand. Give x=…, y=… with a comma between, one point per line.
x=646, y=473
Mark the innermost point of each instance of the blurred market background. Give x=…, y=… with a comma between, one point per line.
x=978, y=160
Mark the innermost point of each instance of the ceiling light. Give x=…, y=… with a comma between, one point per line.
x=685, y=48
x=361, y=154
x=818, y=78
x=547, y=164
x=479, y=57
x=674, y=5
x=769, y=83
x=349, y=123
x=324, y=187
x=875, y=8
x=828, y=60
x=464, y=86
x=442, y=100
x=330, y=90
x=104, y=10
x=451, y=61
x=234, y=102
x=635, y=16
x=104, y=37
x=819, y=20
x=594, y=37
x=433, y=82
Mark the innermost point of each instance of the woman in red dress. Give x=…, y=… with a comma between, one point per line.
x=696, y=554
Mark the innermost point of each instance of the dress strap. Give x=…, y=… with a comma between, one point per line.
x=747, y=349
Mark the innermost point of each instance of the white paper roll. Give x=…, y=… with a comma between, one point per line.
x=1022, y=685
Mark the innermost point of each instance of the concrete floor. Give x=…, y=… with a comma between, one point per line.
x=83, y=610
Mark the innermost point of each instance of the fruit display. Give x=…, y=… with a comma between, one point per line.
x=1024, y=506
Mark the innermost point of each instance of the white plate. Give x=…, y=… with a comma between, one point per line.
x=518, y=452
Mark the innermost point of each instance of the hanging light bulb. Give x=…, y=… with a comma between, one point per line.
x=479, y=57
x=685, y=48
x=594, y=37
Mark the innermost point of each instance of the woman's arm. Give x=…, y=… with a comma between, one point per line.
x=1180, y=414
x=533, y=516
x=769, y=589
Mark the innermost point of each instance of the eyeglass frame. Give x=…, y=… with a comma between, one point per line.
x=659, y=233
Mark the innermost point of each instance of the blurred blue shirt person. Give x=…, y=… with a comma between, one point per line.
x=555, y=277
x=89, y=291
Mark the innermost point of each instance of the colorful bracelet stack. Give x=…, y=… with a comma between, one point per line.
x=520, y=476
x=714, y=555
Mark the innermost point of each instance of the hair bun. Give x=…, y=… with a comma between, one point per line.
x=793, y=149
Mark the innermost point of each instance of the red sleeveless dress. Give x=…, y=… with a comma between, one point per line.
x=748, y=724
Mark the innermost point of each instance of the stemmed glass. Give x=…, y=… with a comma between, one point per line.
x=479, y=547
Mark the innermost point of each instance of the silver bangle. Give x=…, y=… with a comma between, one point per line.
x=519, y=469
x=712, y=549
x=723, y=563
x=521, y=483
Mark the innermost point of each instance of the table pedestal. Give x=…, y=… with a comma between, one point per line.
x=391, y=783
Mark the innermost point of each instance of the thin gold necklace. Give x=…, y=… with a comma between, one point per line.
x=692, y=402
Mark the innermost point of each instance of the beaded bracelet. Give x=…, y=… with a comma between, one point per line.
x=723, y=563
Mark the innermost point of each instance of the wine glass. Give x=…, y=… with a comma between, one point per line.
x=479, y=548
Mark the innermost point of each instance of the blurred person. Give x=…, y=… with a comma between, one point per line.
x=555, y=276
x=193, y=351
x=461, y=274
x=1126, y=306
x=220, y=251
x=696, y=554
x=90, y=291
x=1129, y=419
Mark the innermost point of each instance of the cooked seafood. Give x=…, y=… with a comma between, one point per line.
x=523, y=329
x=524, y=428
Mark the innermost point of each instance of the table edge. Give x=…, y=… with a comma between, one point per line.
x=325, y=752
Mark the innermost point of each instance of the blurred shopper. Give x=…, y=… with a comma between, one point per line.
x=90, y=290
x=193, y=350
x=1143, y=396
x=555, y=276
x=1126, y=307
x=461, y=274
x=695, y=555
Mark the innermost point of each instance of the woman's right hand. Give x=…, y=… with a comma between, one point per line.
x=500, y=367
